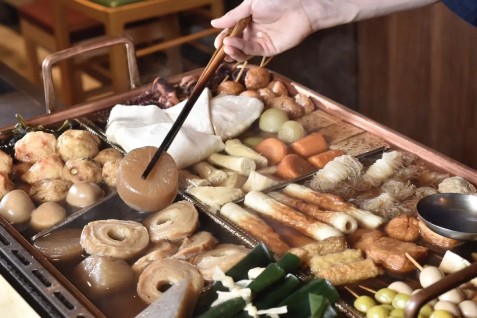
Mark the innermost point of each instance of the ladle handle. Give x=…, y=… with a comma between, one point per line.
x=207, y=73
x=447, y=283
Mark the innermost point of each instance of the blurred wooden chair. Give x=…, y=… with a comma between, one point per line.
x=117, y=19
x=39, y=30
x=54, y=26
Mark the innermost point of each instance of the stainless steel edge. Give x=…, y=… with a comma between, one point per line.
x=44, y=287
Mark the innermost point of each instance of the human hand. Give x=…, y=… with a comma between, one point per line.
x=276, y=26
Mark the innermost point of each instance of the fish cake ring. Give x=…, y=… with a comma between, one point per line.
x=173, y=223
x=166, y=272
x=114, y=238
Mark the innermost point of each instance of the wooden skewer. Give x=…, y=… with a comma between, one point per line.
x=228, y=75
x=412, y=260
x=352, y=292
x=367, y=289
x=241, y=71
x=268, y=61
x=207, y=73
x=262, y=62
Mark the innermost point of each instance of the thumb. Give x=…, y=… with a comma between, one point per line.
x=231, y=18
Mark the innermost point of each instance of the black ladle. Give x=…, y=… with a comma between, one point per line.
x=207, y=73
x=452, y=215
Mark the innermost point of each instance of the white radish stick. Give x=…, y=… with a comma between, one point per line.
x=258, y=182
x=235, y=147
x=240, y=165
x=215, y=197
x=234, y=180
x=188, y=179
x=263, y=204
x=340, y=220
x=333, y=202
x=209, y=172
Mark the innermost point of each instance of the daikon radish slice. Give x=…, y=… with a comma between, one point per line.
x=240, y=165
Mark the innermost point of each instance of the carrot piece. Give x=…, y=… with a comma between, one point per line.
x=321, y=159
x=294, y=166
x=310, y=145
x=273, y=149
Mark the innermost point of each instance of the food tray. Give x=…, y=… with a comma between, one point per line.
x=100, y=110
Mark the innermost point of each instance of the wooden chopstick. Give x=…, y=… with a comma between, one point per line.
x=207, y=73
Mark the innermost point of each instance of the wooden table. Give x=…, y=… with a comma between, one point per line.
x=116, y=19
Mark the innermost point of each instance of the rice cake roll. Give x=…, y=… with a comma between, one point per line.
x=339, y=132
x=316, y=120
x=360, y=144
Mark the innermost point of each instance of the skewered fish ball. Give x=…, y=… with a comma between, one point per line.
x=77, y=144
x=230, y=88
x=34, y=146
x=257, y=77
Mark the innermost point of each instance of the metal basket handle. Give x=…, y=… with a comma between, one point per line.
x=50, y=60
x=427, y=294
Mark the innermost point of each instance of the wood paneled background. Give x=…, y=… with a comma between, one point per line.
x=417, y=74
